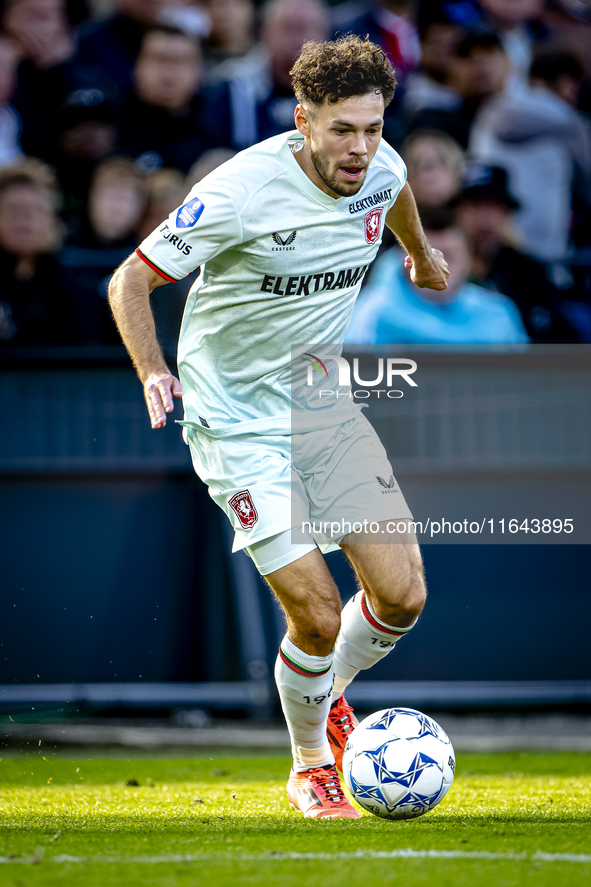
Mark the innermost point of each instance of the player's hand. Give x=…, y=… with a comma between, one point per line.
x=428, y=269
x=159, y=390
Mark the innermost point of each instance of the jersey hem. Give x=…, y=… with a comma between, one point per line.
x=269, y=426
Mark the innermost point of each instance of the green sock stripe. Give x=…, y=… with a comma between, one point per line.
x=302, y=669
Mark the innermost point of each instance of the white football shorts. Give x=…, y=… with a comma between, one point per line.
x=287, y=494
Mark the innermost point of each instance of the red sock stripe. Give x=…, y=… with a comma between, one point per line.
x=375, y=624
x=155, y=267
x=299, y=668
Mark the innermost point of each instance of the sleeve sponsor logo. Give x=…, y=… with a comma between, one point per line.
x=175, y=240
x=189, y=213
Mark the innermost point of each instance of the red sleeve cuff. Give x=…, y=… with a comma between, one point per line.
x=155, y=267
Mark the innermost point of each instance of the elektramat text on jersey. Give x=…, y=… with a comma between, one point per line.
x=305, y=284
x=371, y=201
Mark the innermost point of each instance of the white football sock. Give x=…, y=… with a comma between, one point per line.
x=363, y=640
x=305, y=686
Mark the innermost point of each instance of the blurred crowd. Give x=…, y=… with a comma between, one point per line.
x=111, y=110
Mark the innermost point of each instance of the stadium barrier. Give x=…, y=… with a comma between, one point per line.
x=116, y=565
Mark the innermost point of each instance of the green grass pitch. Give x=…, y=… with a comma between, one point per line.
x=221, y=817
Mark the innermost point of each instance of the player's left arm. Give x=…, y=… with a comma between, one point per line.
x=428, y=267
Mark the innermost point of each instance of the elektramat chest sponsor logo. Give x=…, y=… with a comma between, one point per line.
x=376, y=199
x=175, y=240
x=304, y=284
x=283, y=244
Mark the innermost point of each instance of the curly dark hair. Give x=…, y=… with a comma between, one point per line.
x=340, y=69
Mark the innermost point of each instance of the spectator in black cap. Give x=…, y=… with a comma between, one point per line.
x=86, y=135
x=169, y=118
x=484, y=210
x=478, y=70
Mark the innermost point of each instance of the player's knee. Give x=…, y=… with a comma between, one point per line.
x=414, y=597
x=401, y=602
x=327, y=626
x=321, y=627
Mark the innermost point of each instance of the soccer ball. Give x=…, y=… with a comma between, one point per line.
x=398, y=763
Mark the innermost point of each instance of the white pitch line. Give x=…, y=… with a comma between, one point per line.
x=538, y=856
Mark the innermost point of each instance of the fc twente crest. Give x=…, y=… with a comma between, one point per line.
x=243, y=507
x=373, y=225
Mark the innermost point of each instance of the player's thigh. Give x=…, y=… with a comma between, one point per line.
x=305, y=586
x=348, y=480
x=275, y=552
x=251, y=479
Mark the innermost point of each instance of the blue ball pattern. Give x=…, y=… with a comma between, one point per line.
x=399, y=763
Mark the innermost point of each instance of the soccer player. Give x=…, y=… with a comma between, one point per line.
x=284, y=232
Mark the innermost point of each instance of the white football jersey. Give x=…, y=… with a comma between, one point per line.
x=281, y=265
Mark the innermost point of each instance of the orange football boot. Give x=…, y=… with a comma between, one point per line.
x=340, y=725
x=317, y=793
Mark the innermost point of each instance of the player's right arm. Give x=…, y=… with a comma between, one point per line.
x=129, y=298
x=203, y=227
